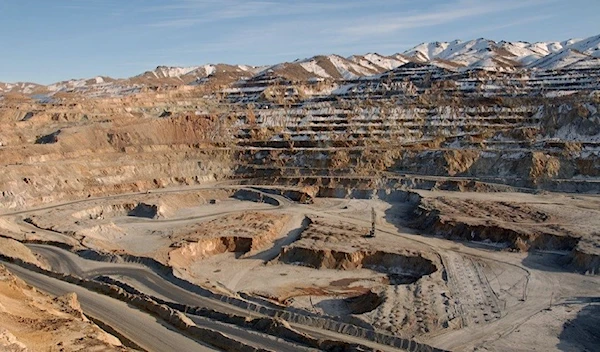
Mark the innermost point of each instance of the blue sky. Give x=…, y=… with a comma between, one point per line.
x=46, y=41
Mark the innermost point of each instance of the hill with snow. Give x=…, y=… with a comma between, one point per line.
x=507, y=56
x=457, y=55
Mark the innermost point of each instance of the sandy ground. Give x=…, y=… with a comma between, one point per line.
x=481, y=297
x=567, y=326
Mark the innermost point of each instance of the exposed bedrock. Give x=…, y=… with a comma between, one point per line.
x=254, y=196
x=366, y=188
x=401, y=269
x=259, y=231
x=301, y=195
x=358, y=191
x=102, y=160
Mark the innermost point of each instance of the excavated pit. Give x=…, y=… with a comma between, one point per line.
x=327, y=245
x=400, y=269
x=237, y=233
x=218, y=245
x=514, y=222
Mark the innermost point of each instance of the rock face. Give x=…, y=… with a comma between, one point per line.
x=364, y=303
x=144, y=210
x=400, y=268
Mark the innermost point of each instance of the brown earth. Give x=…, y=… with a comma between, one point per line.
x=33, y=321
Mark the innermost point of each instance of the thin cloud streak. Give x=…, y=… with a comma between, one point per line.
x=443, y=15
x=512, y=24
x=190, y=13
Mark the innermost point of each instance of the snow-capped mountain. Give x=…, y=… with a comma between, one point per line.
x=80, y=83
x=589, y=46
x=378, y=62
x=491, y=55
x=20, y=87
x=192, y=74
x=563, y=58
x=457, y=56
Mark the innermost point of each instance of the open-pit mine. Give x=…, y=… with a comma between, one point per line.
x=418, y=205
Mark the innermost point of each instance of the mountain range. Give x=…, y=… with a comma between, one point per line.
x=477, y=54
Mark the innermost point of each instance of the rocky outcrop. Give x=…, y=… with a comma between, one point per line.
x=16, y=249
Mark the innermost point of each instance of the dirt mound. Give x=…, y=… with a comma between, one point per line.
x=15, y=249
x=35, y=321
x=9, y=343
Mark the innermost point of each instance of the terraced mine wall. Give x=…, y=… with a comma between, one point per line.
x=417, y=121
x=439, y=128
x=552, y=147
x=110, y=158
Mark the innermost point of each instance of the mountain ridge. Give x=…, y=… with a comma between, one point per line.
x=476, y=54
